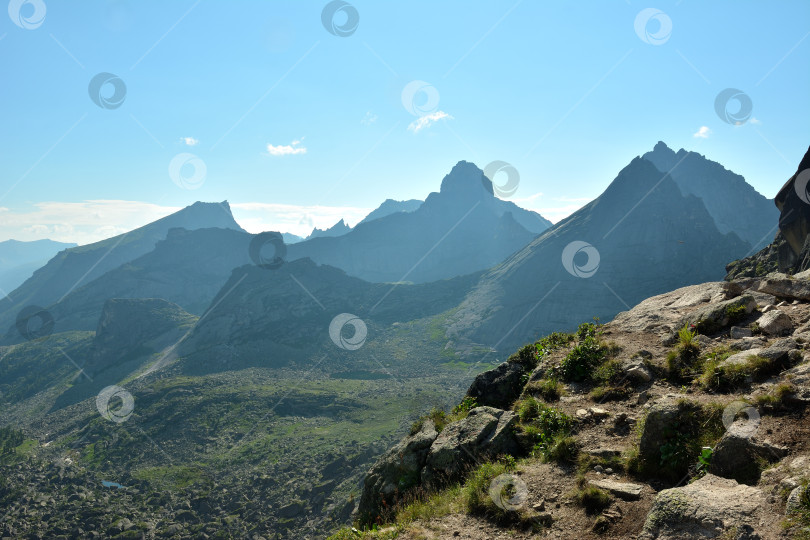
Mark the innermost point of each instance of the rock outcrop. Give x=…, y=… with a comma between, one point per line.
x=704, y=509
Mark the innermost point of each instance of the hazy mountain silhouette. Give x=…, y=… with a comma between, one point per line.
x=461, y=229
x=18, y=260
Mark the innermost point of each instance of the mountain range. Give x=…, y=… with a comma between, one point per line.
x=263, y=391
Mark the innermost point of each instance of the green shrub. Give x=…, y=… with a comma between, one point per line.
x=546, y=430
x=477, y=500
x=728, y=377
x=548, y=389
x=527, y=356
x=580, y=362
x=593, y=499
x=735, y=313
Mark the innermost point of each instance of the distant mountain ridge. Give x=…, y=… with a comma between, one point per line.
x=733, y=203
x=461, y=229
x=18, y=260
x=74, y=267
x=644, y=237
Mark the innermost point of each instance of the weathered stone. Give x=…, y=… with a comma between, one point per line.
x=636, y=369
x=738, y=453
x=486, y=432
x=775, y=323
x=745, y=344
x=498, y=387
x=659, y=426
x=794, y=502
x=603, y=452
x=784, y=286
x=703, y=509
x=396, y=472
x=738, y=332
x=622, y=490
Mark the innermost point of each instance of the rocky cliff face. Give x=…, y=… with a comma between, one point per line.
x=790, y=250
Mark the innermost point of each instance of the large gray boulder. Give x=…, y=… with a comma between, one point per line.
x=498, y=387
x=716, y=316
x=484, y=434
x=738, y=453
x=704, y=509
x=775, y=323
x=396, y=473
x=661, y=424
x=784, y=286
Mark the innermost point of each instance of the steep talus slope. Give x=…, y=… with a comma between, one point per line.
x=646, y=238
x=454, y=232
x=75, y=267
x=733, y=203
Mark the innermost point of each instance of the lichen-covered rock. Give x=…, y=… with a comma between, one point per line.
x=704, y=509
x=661, y=424
x=794, y=502
x=395, y=473
x=718, y=315
x=498, y=387
x=485, y=433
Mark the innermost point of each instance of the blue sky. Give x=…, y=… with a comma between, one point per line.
x=297, y=127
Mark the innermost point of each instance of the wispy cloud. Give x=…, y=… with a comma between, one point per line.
x=428, y=120
x=287, y=149
x=297, y=219
x=369, y=119
x=702, y=133
x=81, y=222
x=756, y=121
x=189, y=141
x=86, y=222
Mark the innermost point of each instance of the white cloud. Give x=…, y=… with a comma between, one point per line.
x=426, y=121
x=81, y=222
x=369, y=119
x=756, y=121
x=90, y=221
x=297, y=219
x=189, y=141
x=702, y=133
x=287, y=149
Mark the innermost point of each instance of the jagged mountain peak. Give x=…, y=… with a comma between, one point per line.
x=467, y=180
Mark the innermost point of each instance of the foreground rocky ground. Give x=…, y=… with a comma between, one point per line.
x=685, y=417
